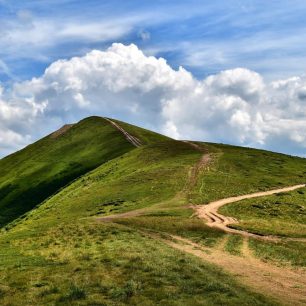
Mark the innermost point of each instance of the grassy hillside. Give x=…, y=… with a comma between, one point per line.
x=68, y=251
x=282, y=214
x=110, y=264
x=235, y=171
x=33, y=174
x=159, y=176
x=105, y=264
x=149, y=175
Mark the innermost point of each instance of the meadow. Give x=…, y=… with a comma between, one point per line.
x=282, y=214
x=98, y=240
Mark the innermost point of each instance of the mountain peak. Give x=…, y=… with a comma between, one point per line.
x=62, y=130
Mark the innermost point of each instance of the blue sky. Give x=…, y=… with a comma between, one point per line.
x=203, y=36
x=243, y=80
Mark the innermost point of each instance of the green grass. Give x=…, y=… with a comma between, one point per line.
x=236, y=171
x=141, y=178
x=61, y=254
x=33, y=174
x=282, y=214
x=185, y=227
x=107, y=264
x=285, y=252
x=38, y=171
x=233, y=244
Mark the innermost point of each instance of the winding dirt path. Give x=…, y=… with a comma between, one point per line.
x=209, y=212
x=132, y=139
x=284, y=284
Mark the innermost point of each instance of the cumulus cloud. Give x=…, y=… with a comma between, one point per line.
x=234, y=106
x=15, y=121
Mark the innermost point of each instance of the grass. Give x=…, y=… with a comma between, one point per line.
x=236, y=171
x=74, y=293
x=121, y=267
x=148, y=175
x=189, y=228
x=233, y=244
x=284, y=252
x=31, y=175
x=282, y=214
x=61, y=254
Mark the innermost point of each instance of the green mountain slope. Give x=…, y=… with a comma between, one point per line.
x=69, y=256
x=33, y=174
x=143, y=177
x=238, y=170
x=105, y=239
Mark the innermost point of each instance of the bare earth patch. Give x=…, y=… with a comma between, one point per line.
x=286, y=285
x=61, y=131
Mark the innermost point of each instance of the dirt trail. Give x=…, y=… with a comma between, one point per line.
x=202, y=164
x=132, y=139
x=287, y=285
x=209, y=212
x=283, y=283
x=129, y=214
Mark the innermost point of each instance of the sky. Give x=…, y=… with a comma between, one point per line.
x=222, y=71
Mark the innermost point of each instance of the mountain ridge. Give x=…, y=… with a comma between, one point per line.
x=123, y=229
x=34, y=173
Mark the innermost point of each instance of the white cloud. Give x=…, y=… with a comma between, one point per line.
x=24, y=37
x=234, y=106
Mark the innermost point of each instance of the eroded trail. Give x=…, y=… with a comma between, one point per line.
x=209, y=212
x=201, y=165
x=286, y=285
x=132, y=139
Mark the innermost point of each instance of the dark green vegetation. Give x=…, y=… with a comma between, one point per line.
x=149, y=175
x=36, y=172
x=282, y=214
x=62, y=252
x=33, y=174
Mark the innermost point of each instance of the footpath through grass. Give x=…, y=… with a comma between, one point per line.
x=61, y=254
x=283, y=214
x=107, y=264
x=235, y=171
x=33, y=174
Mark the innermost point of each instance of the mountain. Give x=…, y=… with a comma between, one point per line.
x=33, y=174
x=106, y=213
